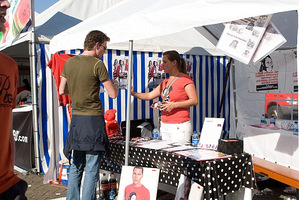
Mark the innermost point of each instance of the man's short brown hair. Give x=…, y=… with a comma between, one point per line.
x=93, y=37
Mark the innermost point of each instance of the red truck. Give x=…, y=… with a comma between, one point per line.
x=282, y=106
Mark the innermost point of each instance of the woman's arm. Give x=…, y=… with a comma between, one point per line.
x=146, y=96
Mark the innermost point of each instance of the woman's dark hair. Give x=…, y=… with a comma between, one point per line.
x=174, y=55
x=263, y=64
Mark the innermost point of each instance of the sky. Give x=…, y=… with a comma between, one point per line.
x=41, y=5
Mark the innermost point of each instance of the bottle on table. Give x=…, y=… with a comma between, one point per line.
x=113, y=182
x=263, y=119
x=295, y=128
x=105, y=186
x=272, y=120
x=195, y=139
x=155, y=133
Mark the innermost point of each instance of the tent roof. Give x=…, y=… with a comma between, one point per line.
x=57, y=18
x=142, y=19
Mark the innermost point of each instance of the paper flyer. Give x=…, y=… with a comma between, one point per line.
x=211, y=133
x=241, y=38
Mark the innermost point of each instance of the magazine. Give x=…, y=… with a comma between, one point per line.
x=241, y=38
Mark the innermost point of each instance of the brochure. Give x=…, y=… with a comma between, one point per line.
x=241, y=38
x=211, y=133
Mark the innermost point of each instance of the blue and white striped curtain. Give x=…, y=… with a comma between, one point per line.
x=208, y=74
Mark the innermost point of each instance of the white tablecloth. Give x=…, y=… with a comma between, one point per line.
x=278, y=146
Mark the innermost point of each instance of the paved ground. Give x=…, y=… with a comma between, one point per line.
x=39, y=191
x=268, y=190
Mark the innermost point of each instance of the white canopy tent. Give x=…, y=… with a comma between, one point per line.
x=137, y=20
x=146, y=22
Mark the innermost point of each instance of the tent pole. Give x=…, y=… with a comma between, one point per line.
x=128, y=124
x=32, y=57
x=224, y=87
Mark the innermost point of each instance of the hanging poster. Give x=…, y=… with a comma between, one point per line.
x=271, y=40
x=17, y=20
x=156, y=72
x=120, y=71
x=241, y=38
x=189, y=67
x=277, y=72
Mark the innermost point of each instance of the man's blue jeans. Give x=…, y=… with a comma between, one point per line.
x=91, y=161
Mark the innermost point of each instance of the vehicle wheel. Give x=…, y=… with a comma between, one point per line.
x=277, y=112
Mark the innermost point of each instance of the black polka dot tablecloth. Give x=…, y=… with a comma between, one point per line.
x=218, y=177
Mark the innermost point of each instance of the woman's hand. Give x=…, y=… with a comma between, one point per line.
x=132, y=91
x=168, y=106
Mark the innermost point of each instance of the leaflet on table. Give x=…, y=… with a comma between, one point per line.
x=202, y=154
x=179, y=148
x=272, y=39
x=156, y=144
x=211, y=133
x=241, y=38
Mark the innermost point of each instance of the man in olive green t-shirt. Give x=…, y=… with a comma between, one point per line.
x=87, y=138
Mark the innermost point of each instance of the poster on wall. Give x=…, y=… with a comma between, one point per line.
x=120, y=71
x=241, y=38
x=277, y=72
x=189, y=65
x=17, y=20
x=156, y=72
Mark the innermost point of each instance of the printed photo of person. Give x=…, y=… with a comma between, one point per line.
x=120, y=71
x=189, y=68
x=155, y=72
x=138, y=183
x=266, y=65
x=250, y=26
x=234, y=44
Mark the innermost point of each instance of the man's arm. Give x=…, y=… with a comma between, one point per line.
x=63, y=89
x=111, y=87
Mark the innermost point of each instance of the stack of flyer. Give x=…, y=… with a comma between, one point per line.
x=250, y=39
